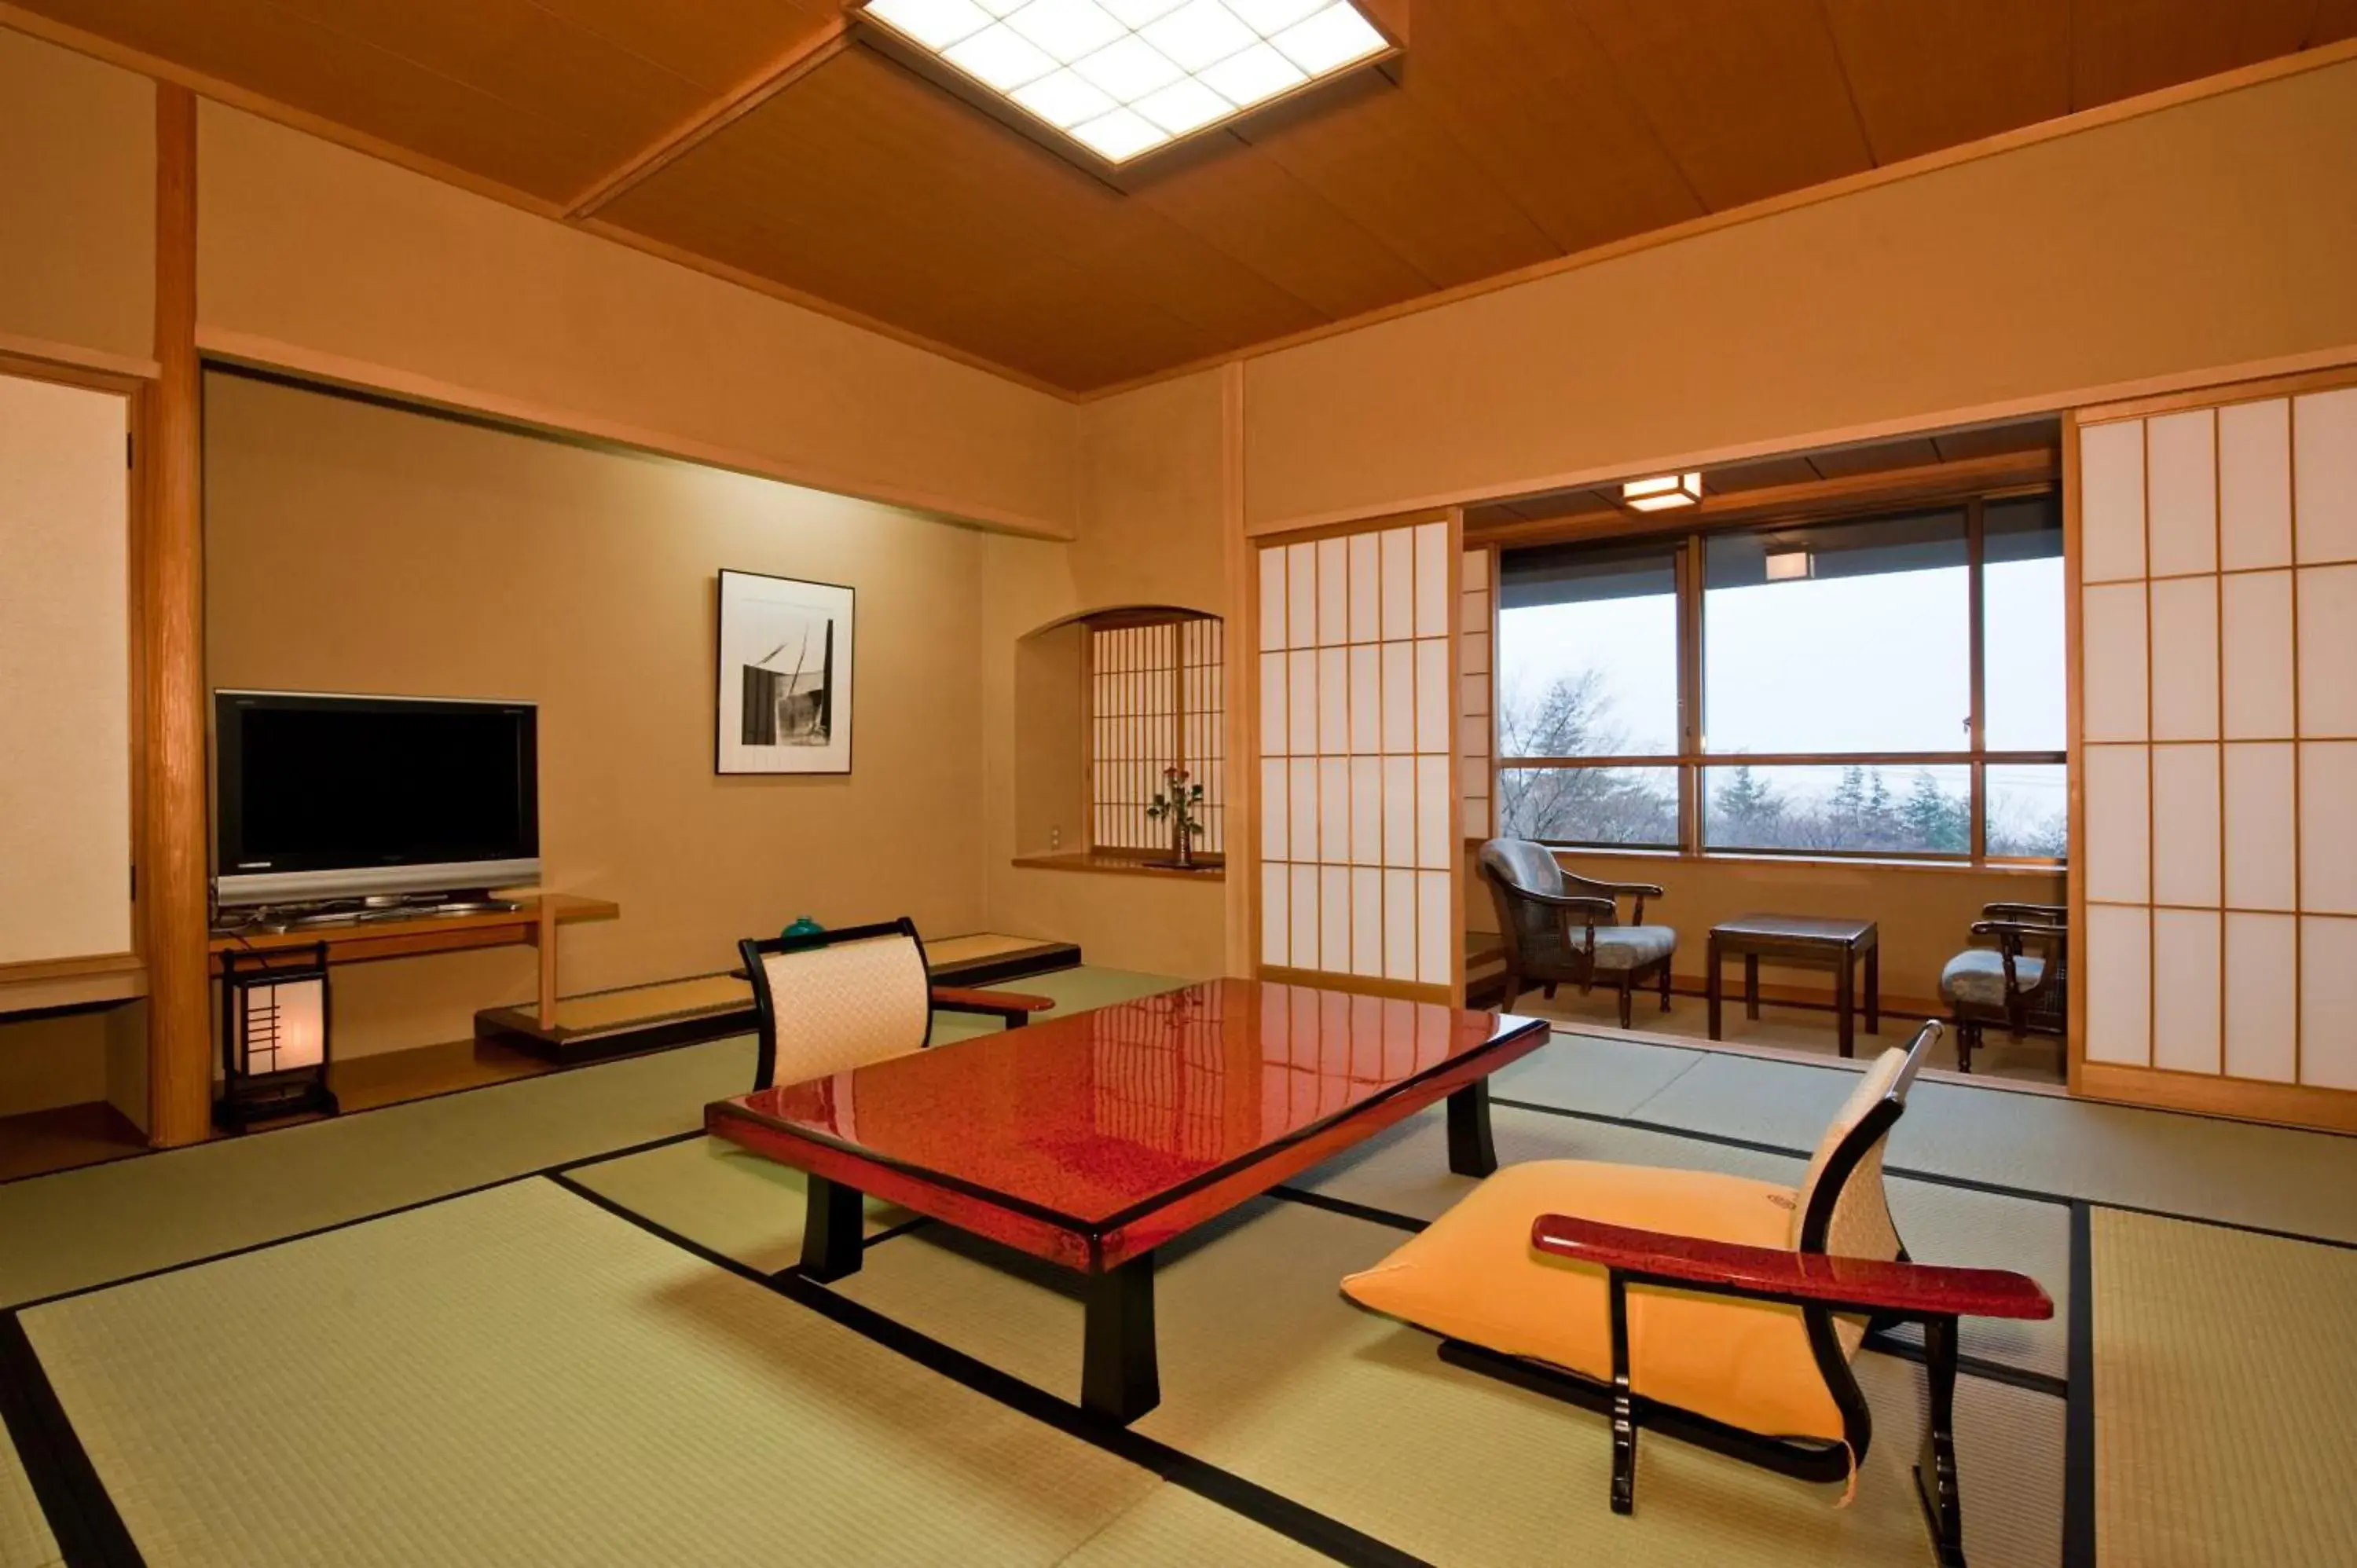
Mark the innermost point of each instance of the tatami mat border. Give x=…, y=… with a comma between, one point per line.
x=1316, y=1530
x=2079, y=1412
x=82, y=1519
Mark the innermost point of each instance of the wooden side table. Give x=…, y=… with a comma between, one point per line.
x=1807, y=939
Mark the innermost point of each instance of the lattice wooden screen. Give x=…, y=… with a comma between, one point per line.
x=2217, y=615
x=1156, y=700
x=1359, y=718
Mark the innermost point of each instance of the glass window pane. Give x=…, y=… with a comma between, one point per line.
x=1840, y=636
x=2021, y=605
x=2029, y=810
x=1635, y=807
x=1587, y=652
x=1866, y=810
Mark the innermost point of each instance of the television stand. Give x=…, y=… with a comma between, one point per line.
x=360, y=935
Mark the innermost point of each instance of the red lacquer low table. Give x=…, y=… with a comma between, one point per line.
x=1093, y=1140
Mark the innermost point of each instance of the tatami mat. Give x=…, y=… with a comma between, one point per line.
x=1073, y=990
x=1267, y=1372
x=25, y=1538
x=517, y=1377
x=1405, y=1171
x=85, y=1227
x=975, y=946
x=106, y=1222
x=596, y=1010
x=2202, y=1167
x=720, y=1196
x=2225, y=1376
x=1609, y=1077
x=1173, y=1528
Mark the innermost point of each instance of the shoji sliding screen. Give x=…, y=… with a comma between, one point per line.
x=1360, y=815
x=2217, y=710
x=1477, y=583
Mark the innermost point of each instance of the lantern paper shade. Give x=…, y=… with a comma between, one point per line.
x=274, y=1021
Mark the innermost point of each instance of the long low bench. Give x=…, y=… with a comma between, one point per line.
x=666, y=1013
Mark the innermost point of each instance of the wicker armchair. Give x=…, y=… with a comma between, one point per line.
x=2021, y=983
x=1566, y=929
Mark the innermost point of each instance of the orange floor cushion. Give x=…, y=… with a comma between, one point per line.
x=1473, y=1275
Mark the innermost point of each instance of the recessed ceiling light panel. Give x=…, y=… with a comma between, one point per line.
x=1125, y=77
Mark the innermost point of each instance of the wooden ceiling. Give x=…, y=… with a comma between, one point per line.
x=754, y=135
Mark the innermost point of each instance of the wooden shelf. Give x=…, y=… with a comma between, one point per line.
x=360, y=942
x=71, y=982
x=1119, y=865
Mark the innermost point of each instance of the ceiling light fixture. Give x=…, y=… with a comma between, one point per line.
x=1126, y=77
x=1662, y=493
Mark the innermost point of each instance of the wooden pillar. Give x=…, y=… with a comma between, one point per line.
x=171, y=874
x=1240, y=648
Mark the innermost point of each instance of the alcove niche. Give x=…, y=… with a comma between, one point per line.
x=1104, y=701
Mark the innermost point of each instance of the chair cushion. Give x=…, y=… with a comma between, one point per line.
x=1626, y=947
x=1472, y=1274
x=1978, y=975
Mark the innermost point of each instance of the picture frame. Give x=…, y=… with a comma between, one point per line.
x=782, y=659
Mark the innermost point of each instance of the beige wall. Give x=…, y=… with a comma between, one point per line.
x=319, y=258
x=355, y=548
x=77, y=221
x=2204, y=235
x=1923, y=914
x=1149, y=465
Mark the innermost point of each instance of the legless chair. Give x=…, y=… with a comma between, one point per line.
x=836, y=1000
x=1552, y=1275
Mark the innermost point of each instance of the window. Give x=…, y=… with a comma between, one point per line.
x=1156, y=702
x=1891, y=686
x=1587, y=660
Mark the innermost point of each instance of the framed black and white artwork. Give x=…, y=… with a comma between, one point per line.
x=785, y=676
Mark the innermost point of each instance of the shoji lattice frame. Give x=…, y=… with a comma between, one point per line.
x=1154, y=685
x=1355, y=773
x=2211, y=542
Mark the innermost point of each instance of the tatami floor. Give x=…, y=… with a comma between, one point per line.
x=536, y=1323
x=1803, y=1030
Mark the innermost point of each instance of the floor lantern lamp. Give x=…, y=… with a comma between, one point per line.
x=273, y=1037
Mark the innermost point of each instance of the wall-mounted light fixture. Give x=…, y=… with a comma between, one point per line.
x=1661, y=492
x=1111, y=81
x=1790, y=565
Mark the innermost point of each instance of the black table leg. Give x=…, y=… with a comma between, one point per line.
x=1470, y=1151
x=1751, y=986
x=834, y=1232
x=1710, y=986
x=1935, y=1467
x=1119, y=1377
x=1845, y=1001
x=1874, y=989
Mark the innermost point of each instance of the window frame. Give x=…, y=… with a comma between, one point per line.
x=1691, y=762
x=1206, y=769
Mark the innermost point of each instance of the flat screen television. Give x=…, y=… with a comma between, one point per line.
x=319, y=797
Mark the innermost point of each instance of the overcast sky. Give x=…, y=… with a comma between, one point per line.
x=1868, y=663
